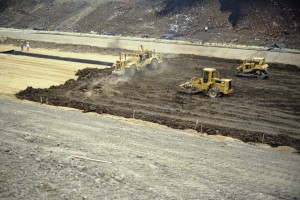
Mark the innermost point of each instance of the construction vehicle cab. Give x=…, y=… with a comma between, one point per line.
x=211, y=83
x=119, y=64
x=254, y=67
x=130, y=63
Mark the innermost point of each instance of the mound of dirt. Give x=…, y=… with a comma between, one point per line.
x=263, y=111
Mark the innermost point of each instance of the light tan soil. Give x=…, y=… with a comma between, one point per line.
x=19, y=72
x=132, y=161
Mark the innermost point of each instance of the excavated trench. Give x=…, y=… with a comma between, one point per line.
x=259, y=111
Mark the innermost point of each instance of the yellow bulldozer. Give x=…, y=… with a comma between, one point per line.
x=130, y=63
x=253, y=67
x=210, y=83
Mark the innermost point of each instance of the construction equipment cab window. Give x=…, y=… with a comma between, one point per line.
x=205, y=76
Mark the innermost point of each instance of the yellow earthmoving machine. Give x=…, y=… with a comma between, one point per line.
x=254, y=67
x=210, y=83
x=130, y=63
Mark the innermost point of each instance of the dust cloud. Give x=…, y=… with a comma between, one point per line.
x=106, y=86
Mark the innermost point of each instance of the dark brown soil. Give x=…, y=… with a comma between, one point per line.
x=260, y=111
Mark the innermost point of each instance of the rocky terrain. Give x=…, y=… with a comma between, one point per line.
x=260, y=22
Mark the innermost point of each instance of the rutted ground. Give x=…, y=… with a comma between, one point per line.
x=259, y=110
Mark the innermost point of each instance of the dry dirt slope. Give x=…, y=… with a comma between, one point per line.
x=258, y=22
x=134, y=161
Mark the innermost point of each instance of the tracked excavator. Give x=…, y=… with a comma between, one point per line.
x=255, y=67
x=130, y=63
x=210, y=83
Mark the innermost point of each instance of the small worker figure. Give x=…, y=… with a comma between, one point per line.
x=27, y=46
x=22, y=46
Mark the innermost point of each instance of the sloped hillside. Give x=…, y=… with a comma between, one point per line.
x=259, y=22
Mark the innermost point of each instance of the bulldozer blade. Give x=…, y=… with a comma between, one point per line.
x=189, y=92
x=117, y=73
x=188, y=88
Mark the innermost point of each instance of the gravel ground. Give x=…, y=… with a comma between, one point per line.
x=134, y=160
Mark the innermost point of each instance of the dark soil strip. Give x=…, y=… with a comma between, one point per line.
x=95, y=62
x=251, y=137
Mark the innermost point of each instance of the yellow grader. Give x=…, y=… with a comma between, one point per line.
x=130, y=63
x=254, y=67
x=210, y=83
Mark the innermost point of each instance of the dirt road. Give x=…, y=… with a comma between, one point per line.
x=164, y=46
x=133, y=160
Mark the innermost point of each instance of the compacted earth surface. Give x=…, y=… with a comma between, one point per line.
x=48, y=152
x=261, y=111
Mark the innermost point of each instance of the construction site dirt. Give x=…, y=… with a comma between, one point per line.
x=71, y=129
x=259, y=111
